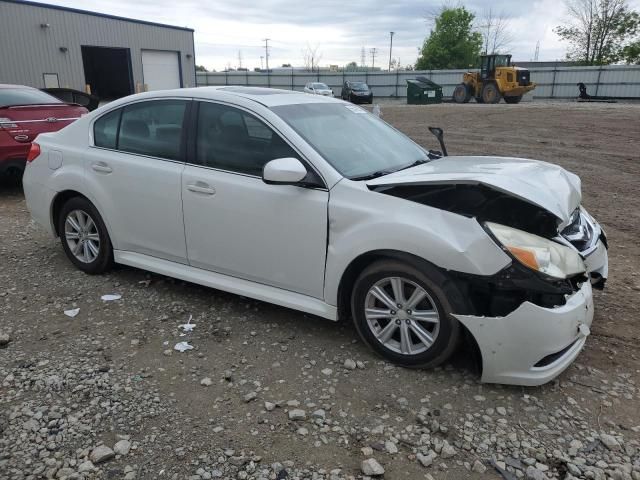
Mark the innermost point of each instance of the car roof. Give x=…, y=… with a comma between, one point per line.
x=269, y=97
x=8, y=85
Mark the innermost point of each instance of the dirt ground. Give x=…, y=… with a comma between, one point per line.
x=111, y=373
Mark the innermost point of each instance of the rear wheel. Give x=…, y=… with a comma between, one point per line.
x=490, y=93
x=404, y=314
x=84, y=236
x=514, y=99
x=461, y=94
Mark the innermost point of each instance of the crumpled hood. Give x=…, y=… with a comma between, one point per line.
x=540, y=183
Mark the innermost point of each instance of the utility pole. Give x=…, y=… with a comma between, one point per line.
x=266, y=51
x=363, y=57
x=390, y=48
x=261, y=58
x=373, y=52
x=239, y=59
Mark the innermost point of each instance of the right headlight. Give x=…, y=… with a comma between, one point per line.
x=538, y=253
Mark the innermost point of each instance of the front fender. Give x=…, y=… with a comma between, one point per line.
x=362, y=221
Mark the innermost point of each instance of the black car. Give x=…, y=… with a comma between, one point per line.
x=357, y=92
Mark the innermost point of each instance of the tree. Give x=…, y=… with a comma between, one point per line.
x=452, y=43
x=311, y=57
x=200, y=68
x=351, y=67
x=496, y=32
x=631, y=53
x=598, y=30
x=286, y=65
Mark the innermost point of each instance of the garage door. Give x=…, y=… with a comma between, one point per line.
x=160, y=69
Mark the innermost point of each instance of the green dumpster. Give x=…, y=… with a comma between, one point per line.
x=422, y=91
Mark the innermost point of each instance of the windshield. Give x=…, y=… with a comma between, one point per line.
x=320, y=86
x=359, y=87
x=353, y=141
x=24, y=96
x=502, y=60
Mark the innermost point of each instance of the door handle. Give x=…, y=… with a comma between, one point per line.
x=201, y=187
x=101, y=167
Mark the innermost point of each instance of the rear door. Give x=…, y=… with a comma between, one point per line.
x=134, y=171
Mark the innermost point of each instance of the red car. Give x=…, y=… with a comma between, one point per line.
x=24, y=113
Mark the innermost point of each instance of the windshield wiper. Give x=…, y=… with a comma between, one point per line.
x=414, y=164
x=371, y=176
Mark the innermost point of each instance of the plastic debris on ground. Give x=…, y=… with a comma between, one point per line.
x=72, y=313
x=111, y=297
x=183, y=346
x=188, y=327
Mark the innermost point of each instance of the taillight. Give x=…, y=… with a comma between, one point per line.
x=34, y=152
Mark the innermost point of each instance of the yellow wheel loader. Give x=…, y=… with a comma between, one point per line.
x=496, y=79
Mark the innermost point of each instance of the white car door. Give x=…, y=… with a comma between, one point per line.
x=134, y=173
x=236, y=224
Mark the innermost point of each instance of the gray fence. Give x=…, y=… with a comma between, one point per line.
x=560, y=82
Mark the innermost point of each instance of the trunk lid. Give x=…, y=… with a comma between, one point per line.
x=543, y=184
x=24, y=122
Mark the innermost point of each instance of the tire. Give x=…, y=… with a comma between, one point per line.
x=441, y=296
x=513, y=100
x=95, y=254
x=490, y=93
x=461, y=94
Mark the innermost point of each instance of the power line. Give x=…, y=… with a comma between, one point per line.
x=266, y=51
x=390, y=48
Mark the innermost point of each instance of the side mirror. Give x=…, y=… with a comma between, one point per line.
x=439, y=134
x=284, y=171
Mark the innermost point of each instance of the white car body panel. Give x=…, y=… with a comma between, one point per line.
x=274, y=234
x=141, y=197
x=513, y=344
x=228, y=283
x=356, y=227
x=520, y=177
x=290, y=245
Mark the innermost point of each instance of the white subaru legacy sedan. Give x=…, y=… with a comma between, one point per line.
x=314, y=204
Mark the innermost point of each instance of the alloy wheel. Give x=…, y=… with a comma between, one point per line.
x=81, y=234
x=402, y=316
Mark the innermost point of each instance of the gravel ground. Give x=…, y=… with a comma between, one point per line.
x=270, y=393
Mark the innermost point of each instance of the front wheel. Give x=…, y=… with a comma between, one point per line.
x=84, y=236
x=490, y=93
x=405, y=314
x=461, y=94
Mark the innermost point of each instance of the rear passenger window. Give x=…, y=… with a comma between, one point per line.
x=153, y=128
x=105, y=130
x=232, y=139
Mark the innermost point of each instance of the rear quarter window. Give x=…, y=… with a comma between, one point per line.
x=105, y=130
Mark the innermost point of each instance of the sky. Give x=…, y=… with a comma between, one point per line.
x=337, y=29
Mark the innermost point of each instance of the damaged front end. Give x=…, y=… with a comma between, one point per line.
x=531, y=318
x=503, y=292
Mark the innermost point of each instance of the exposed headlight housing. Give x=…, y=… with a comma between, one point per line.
x=537, y=253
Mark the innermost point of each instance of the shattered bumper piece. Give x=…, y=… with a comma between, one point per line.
x=532, y=345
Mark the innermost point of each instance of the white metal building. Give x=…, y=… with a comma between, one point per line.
x=51, y=46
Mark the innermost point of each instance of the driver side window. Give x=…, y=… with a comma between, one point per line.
x=231, y=139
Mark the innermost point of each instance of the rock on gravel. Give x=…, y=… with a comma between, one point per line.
x=4, y=339
x=533, y=473
x=101, y=454
x=478, y=467
x=609, y=441
x=122, y=447
x=425, y=460
x=297, y=414
x=350, y=364
x=371, y=467
x=206, y=382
